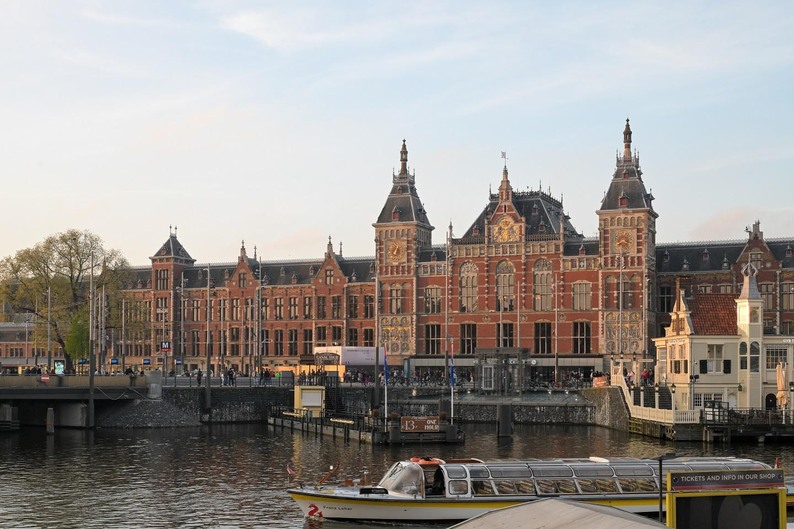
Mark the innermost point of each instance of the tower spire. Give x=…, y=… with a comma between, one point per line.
x=404, y=159
x=627, y=142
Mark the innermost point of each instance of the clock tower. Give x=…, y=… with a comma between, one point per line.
x=402, y=232
x=627, y=244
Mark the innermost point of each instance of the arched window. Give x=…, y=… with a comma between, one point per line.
x=755, y=357
x=468, y=287
x=743, y=355
x=505, y=282
x=541, y=285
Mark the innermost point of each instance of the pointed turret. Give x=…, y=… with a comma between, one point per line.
x=403, y=204
x=627, y=190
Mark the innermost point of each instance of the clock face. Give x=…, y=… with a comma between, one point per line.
x=622, y=241
x=396, y=252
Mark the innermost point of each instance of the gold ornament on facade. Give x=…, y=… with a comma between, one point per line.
x=505, y=231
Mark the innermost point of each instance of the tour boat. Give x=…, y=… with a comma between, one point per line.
x=430, y=489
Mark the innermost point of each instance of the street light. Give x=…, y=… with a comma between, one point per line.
x=209, y=345
x=672, y=393
x=663, y=457
x=693, y=379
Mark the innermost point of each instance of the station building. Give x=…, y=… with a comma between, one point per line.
x=520, y=294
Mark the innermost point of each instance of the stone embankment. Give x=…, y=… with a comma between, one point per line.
x=184, y=407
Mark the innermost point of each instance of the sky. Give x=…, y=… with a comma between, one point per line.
x=280, y=123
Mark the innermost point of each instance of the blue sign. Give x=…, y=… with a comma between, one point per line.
x=178, y=362
x=114, y=361
x=147, y=362
x=82, y=361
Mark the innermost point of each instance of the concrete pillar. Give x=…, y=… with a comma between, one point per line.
x=504, y=420
x=50, y=421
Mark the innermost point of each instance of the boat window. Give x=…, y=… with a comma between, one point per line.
x=505, y=487
x=455, y=471
x=638, y=485
x=479, y=472
x=556, y=486
x=482, y=488
x=607, y=485
x=633, y=471
x=411, y=480
x=587, y=485
x=510, y=472
x=593, y=471
x=458, y=487
x=525, y=486
x=558, y=471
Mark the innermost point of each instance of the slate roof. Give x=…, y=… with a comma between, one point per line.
x=627, y=181
x=403, y=203
x=713, y=314
x=173, y=248
x=541, y=212
x=712, y=256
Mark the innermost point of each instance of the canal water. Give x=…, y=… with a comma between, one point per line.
x=235, y=476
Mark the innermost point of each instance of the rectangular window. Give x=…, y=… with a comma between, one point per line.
x=322, y=336
x=195, y=343
x=704, y=289
x=352, y=336
x=293, y=308
x=236, y=309
x=352, y=307
x=714, y=358
x=162, y=309
x=767, y=291
x=336, y=307
x=726, y=289
x=787, y=328
x=329, y=277
x=265, y=308
x=666, y=299
x=195, y=310
x=468, y=338
x=321, y=308
x=787, y=296
x=775, y=355
x=278, y=342
x=336, y=335
x=582, y=296
x=161, y=280
x=308, y=343
x=369, y=307
x=433, y=339
x=581, y=337
x=307, y=308
x=278, y=309
x=293, y=342
x=369, y=338
x=543, y=338
x=432, y=300
x=504, y=333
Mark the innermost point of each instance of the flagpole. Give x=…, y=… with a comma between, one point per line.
x=452, y=383
x=385, y=392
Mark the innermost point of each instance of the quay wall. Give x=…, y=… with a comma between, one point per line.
x=185, y=406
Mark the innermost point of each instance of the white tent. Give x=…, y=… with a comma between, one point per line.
x=552, y=513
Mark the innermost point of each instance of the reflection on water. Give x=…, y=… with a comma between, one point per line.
x=235, y=476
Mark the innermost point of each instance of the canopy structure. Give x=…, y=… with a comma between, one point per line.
x=552, y=513
x=782, y=386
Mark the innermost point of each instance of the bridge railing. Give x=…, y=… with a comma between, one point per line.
x=67, y=381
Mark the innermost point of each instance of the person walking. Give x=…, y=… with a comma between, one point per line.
x=198, y=377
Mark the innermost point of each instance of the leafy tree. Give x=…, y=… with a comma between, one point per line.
x=63, y=263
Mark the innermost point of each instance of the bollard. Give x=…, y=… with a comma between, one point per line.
x=504, y=420
x=50, y=421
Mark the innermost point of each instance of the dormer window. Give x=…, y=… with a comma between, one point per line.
x=542, y=227
x=755, y=260
x=725, y=263
x=294, y=278
x=623, y=201
x=534, y=209
x=475, y=231
x=705, y=255
x=329, y=277
x=395, y=214
x=685, y=266
x=282, y=271
x=788, y=251
x=666, y=257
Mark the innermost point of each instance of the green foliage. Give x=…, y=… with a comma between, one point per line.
x=64, y=264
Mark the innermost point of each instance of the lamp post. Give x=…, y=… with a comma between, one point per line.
x=672, y=393
x=656, y=395
x=207, y=396
x=693, y=379
x=663, y=457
